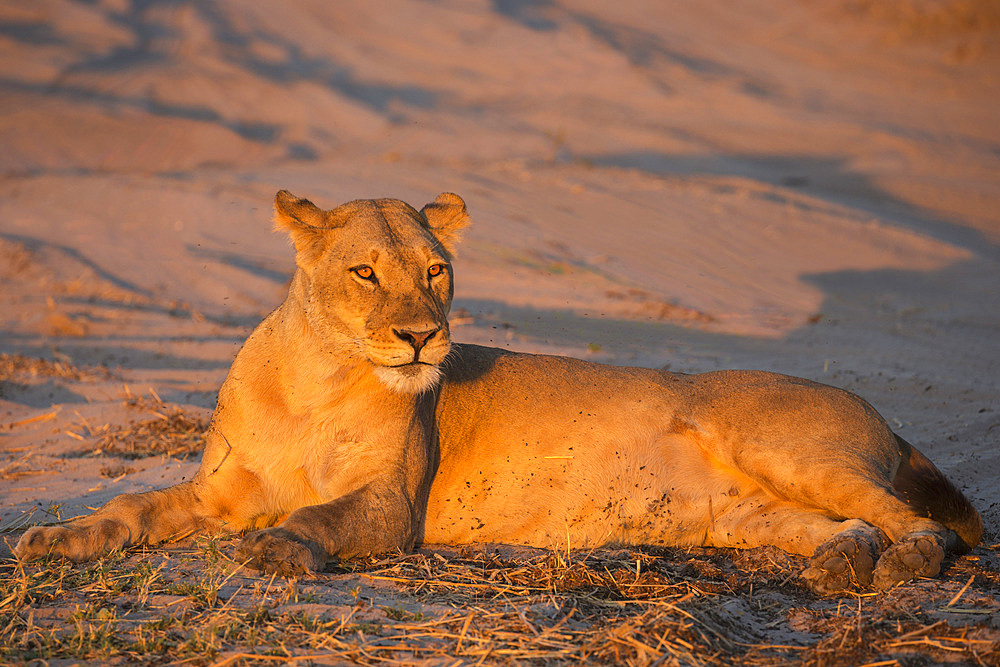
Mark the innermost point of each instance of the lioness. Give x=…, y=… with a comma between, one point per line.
x=349, y=423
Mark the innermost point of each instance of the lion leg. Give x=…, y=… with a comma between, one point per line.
x=916, y=544
x=132, y=518
x=854, y=483
x=230, y=499
x=911, y=546
x=77, y=541
x=369, y=520
x=843, y=553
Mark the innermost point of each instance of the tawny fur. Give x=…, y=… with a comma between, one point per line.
x=350, y=424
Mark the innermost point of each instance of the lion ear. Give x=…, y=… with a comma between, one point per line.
x=446, y=218
x=305, y=223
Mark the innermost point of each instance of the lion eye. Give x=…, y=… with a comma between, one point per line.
x=364, y=272
x=435, y=270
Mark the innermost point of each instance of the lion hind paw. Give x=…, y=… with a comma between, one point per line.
x=915, y=555
x=844, y=561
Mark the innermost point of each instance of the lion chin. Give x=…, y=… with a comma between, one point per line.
x=414, y=378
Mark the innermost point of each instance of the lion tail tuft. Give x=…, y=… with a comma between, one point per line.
x=927, y=489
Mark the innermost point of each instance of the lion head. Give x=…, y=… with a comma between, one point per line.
x=374, y=279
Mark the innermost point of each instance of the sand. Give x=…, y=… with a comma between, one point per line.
x=811, y=187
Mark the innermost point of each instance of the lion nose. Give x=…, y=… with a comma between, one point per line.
x=416, y=339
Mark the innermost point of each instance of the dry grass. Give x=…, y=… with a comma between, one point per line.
x=170, y=432
x=19, y=366
x=441, y=606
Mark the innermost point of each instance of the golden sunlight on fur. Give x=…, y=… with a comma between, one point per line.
x=350, y=423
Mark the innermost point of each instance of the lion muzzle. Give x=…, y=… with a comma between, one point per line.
x=416, y=339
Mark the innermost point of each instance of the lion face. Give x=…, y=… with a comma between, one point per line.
x=375, y=281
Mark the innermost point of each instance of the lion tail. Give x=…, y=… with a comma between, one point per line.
x=929, y=491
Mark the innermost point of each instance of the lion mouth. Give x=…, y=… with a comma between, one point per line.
x=414, y=366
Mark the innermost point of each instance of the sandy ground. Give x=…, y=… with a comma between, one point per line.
x=807, y=186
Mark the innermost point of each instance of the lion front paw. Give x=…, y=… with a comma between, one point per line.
x=916, y=555
x=75, y=543
x=279, y=551
x=846, y=560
